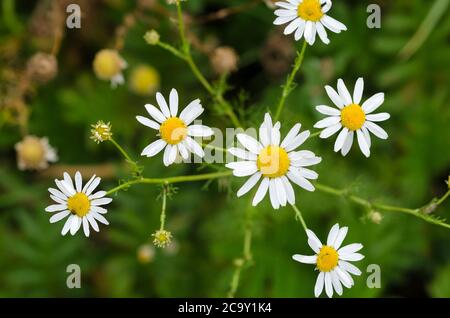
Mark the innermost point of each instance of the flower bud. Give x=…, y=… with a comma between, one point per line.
x=151, y=37
x=42, y=67
x=224, y=60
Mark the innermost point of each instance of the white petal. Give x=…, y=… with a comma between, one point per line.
x=340, y=139
x=273, y=195
x=328, y=285
x=300, y=30
x=191, y=111
x=261, y=192
x=98, y=209
x=332, y=24
x=330, y=131
x=88, y=183
x=310, y=32
x=313, y=241
x=57, y=199
x=75, y=226
x=351, y=257
x=264, y=134
x=358, y=91
x=376, y=130
x=292, y=26
x=283, y=20
x=200, y=131
x=322, y=33
x=78, y=181
x=162, y=104
x=347, y=144
x=327, y=110
x=275, y=137
x=366, y=135
x=249, y=184
x=148, y=122
x=351, y=248
x=245, y=172
x=100, y=218
x=57, y=194
x=345, y=278
x=68, y=182
x=334, y=96
x=297, y=141
x=281, y=193
x=67, y=225
x=194, y=147
x=291, y=135
x=373, y=103
x=101, y=201
x=299, y=180
x=93, y=185
x=97, y=195
x=56, y=207
x=155, y=113
x=86, y=227
x=332, y=235
x=327, y=122
x=249, y=143
x=352, y=269
x=183, y=150
x=378, y=117
x=363, y=143
x=340, y=237
x=343, y=92
x=92, y=222
x=290, y=194
x=285, y=5
x=166, y=155
x=305, y=162
x=285, y=13
x=242, y=154
x=154, y=148
x=305, y=259
x=318, y=288
x=173, y=102
x=59, y=216
x=308, y=174
x=336, y=282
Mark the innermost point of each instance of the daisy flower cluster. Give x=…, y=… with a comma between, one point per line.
x=273, y=165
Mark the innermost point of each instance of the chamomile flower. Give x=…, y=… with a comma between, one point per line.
x=274, y=162
x=34, y=153
x=175, y=130
x=109, y=65
x=352, y=118
x=80, y=204
x=307, y=18
x=332, y=261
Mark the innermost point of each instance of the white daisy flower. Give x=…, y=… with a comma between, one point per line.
x=79, y=203
x=352, y=117
x=277, y=164
x=332, y=261
x=307, y=17
x=175, y=131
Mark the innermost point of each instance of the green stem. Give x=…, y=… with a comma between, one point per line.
x=246, y=258
x=384, y=207
x=171, y=49
x=287, y=88
x=214, y=147
x=122, y=151
x=317, y=133
x=170, y=180
x=184, y=42
x=163, y=209
x=299, y=216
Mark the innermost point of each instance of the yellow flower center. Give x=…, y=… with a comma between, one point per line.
x=353, y=117
x=79, y=204
x=310, y=10
x=173, y=130
x=327, y=259
x=273, y=162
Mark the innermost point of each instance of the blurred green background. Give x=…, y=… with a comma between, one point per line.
x=207, y=221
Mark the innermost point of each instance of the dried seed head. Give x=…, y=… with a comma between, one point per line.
x=224, y=60
x=42, y=67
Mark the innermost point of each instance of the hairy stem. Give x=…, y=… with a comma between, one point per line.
x=169, y=180
x=288, y=86
x=299, y=216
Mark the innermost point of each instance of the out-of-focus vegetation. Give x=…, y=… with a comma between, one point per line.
x=207, y=221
